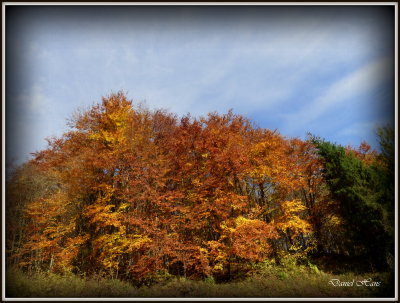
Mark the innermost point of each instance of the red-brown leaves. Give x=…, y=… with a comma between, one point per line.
x=143, y=192
x=250, y=239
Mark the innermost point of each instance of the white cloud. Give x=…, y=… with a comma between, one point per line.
x=263, y=64
x=356, y=83
x=34, y=101
x=361, y=131
x=277, y=64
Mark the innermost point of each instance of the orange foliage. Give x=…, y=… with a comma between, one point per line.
x=142, y=192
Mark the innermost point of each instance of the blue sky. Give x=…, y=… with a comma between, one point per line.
x=326, y=70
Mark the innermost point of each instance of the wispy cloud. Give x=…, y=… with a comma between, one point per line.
x=34, y=101
x=285, y=67
x=34, y=116
x=356, y=83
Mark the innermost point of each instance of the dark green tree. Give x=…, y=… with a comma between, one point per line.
x=361, y=191
x=384, y=173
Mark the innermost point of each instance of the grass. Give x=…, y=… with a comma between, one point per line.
x=268, y=281
x=44, y=285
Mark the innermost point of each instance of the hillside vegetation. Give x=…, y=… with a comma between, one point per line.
x=266, y=282
x=133, y=202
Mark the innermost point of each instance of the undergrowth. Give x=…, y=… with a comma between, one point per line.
x=267, y=280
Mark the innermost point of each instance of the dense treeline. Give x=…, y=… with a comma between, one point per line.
x=132, y=194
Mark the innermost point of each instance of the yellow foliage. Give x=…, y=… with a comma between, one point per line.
x=217, y=254
x=291, y=220
x=114, y=245
x=123, y=206
x=113, y=128
x=334, y=221
x=293, y=206
x=242, y=220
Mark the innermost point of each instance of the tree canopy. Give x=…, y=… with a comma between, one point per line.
x=132, y=193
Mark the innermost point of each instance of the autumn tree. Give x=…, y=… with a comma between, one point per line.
x=136, y=194
x=25, y=184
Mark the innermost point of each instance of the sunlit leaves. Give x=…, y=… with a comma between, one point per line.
x=136, y=192
x=250, y=239
x=290, y=221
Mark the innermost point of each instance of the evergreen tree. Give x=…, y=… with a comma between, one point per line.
x=361, y=190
